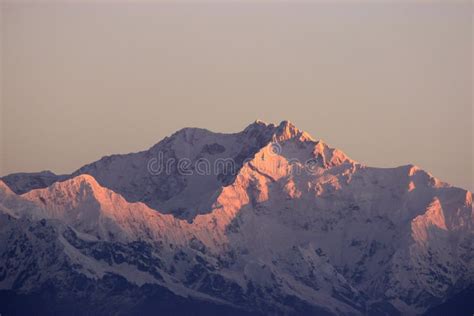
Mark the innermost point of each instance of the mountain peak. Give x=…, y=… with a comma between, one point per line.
x=85, y=178
x=287, y=130
x=84, y=183
x=259, y=124
x=284, y=131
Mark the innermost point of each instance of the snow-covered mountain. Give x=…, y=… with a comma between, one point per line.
x=265, y=221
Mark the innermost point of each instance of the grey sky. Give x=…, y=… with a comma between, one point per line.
x=389, y=84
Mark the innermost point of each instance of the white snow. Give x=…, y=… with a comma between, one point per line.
x=337, y=226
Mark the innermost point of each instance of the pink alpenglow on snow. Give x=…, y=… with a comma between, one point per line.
x=298, y=227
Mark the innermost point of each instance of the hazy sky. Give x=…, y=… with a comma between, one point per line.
x=389, y=84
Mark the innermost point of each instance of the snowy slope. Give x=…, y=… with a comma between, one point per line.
x=103, y=239
x=299, y=228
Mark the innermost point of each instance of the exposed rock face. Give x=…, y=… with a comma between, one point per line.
x=297, y=227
